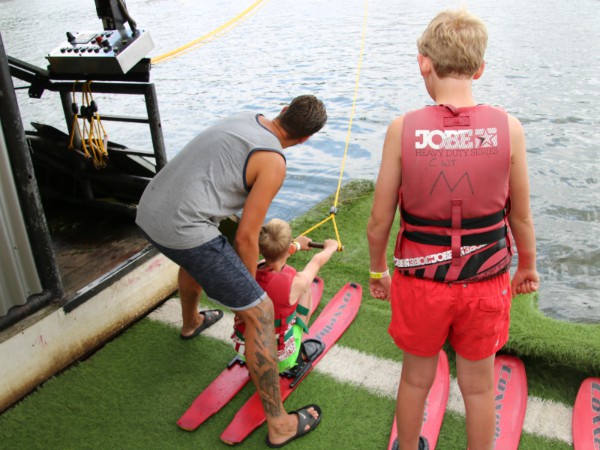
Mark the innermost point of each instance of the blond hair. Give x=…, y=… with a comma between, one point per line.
x=455, y=42
x=274, y=239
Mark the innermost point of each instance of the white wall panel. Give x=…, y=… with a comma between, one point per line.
x=18, y=274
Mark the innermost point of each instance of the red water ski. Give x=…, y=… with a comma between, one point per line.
x=435, y=405
x=510, y=400
x=333, y=321
x=229, y=382
x=586, y=416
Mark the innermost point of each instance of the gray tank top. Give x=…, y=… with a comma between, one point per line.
x=204, y=183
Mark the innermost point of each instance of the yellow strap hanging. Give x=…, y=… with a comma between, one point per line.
x=95, y=139
x=75, y=128
x=92, y=133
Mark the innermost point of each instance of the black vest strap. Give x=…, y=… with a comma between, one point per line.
x=466, y=224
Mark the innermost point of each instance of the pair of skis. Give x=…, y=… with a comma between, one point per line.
x=328, y=327
x=510, y=403
x=229, y=382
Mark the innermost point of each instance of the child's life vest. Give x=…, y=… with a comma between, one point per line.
x=454, y=197
x=277, y=285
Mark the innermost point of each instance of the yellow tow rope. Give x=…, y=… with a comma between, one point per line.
x=222, y=29
x=333, y=210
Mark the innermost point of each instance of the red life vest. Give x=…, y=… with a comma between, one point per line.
x=454, y=197
x=278, y=286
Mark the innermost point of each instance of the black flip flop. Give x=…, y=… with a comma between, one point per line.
x=209, y=320
x=423, y=444
x=304, y=419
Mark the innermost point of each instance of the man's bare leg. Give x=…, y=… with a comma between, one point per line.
x=261, y=360
x=189, y=295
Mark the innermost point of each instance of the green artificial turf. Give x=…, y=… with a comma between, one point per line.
x=130, y=393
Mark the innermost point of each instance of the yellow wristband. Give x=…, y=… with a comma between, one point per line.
x=378, y=275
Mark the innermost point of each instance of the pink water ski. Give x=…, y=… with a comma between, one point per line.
x=586, y=416
x=511, y=401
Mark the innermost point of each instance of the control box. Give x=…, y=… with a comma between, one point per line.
x=110, y=52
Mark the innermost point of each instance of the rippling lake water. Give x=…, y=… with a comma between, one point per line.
x=542, y=65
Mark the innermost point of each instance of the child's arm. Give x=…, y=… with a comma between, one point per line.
x=303, y=279
x=385, y=204
x=526, y=278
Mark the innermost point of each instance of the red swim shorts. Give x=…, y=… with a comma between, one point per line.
x=474, y=317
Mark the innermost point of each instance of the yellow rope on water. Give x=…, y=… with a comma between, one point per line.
x=222, y=29
x=333, y=210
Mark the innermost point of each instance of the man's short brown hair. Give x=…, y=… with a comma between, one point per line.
x=303, y=117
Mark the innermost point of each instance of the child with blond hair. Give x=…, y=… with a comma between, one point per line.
x=457, y=172
x=288, y=289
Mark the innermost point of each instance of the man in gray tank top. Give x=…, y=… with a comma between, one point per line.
x=238, y=163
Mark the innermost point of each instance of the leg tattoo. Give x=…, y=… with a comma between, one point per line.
x=261, y=356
